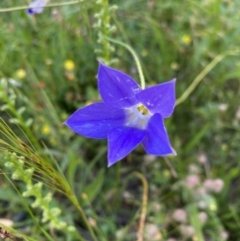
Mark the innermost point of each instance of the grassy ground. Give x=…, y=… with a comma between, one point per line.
x=48, y=69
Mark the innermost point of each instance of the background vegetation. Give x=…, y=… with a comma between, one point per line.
x=55, y=185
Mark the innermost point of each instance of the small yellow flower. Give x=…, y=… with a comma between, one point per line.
x=46, y=129
x=213, y=207
x=84, y=196
x=174, y=66
x=53, y=141
x=48, y=62
x=21, y=73
x=186, y=39
x=69, y=65
x=64, y=116
x=144, y=52
x=166, y=173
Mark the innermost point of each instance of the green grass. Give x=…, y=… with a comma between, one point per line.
x=181, y=39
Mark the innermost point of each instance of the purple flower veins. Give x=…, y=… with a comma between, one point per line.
x=127, y=116
x=36, y=6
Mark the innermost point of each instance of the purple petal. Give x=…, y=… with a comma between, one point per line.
x=159, y=98
x=156, y=141
x=36, y=7
x=96, y=120
x=121, y=141
x=116, y=88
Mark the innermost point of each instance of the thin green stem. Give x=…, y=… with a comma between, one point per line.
x=72, y=197
x=3, y=10
x=140, y=72
x=47, y=101
x=117, y=185
x=144, y=204
x=204, y=72
x=79, y=208
x=234, y=215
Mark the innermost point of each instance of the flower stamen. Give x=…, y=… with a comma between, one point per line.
x=143, y=110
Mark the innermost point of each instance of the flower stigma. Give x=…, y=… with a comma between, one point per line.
x=138, y=116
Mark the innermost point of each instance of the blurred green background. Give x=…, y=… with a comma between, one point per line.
x=48, y=64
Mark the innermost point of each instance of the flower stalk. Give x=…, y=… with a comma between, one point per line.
x=144, y=205
x=104, y=28
x=135, y=57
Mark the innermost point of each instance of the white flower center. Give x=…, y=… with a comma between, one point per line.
x=137, y=116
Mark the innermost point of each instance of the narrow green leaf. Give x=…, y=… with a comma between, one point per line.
x=94, y=188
